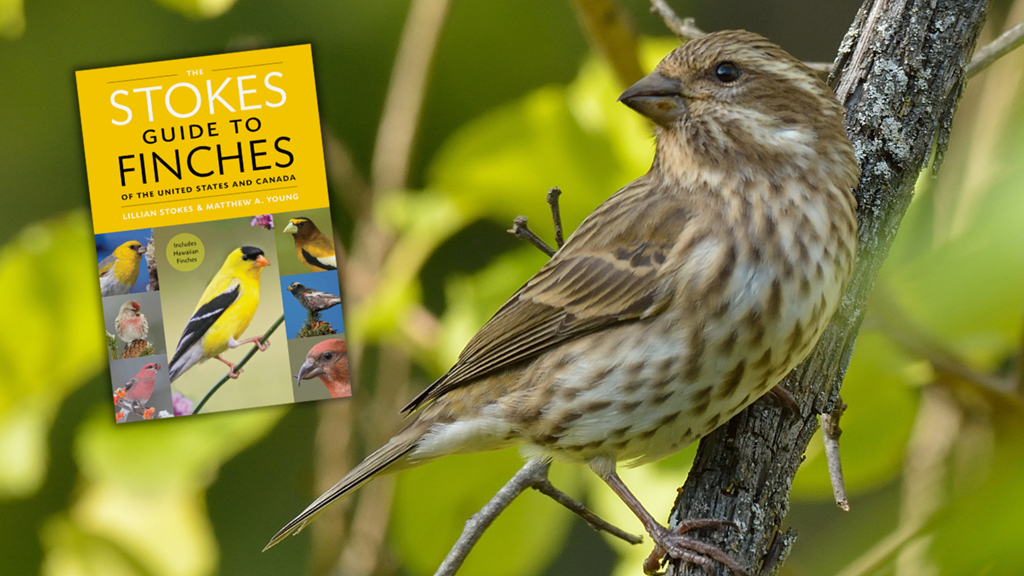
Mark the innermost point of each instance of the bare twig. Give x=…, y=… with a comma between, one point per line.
x=596, y=522
x=533, y=474
x=404, y=100
x=556, y=215
x=830, y=433
x=521, y=230
x=686, y=29
x=611, y=35
x=1007, y=42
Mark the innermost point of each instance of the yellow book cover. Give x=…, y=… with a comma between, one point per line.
x=215, y=246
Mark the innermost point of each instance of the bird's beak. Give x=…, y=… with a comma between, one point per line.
x=157, y=367
x=291, y=228
x=307, y=371
x=656, y=97
x=261, y=261
x=141, y=249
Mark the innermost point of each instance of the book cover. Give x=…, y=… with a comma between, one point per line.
x=215, y=249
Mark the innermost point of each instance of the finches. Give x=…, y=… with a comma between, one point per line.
x=120, y=270
x=679, y=301
x=139, y=389
x=313, y=300
x=328, y=361
x=223, y=313
x=313, y=248
x=131, y=324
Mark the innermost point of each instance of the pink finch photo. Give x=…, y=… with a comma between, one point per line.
x=328, y=360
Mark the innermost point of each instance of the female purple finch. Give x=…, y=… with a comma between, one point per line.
x=679, y=301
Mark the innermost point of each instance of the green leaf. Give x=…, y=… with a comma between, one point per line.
x=198, y=8
x=51, y=342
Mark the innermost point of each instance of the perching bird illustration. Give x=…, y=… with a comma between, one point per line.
x=223, y=313
x=313, y=248
x=328, y=361
x=139, y=389
x=120, y=270
x=313, y=300
x=131, y=324
x=679, y=301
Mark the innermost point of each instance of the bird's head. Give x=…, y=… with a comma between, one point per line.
x=131, y=248
x=296, y=287
x=151, y=366
x=733, y=94
x=300, y=226
x=321, y=358
x=251, y=257
x=130, y=308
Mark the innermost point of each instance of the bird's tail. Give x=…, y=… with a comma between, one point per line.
x=403, y=443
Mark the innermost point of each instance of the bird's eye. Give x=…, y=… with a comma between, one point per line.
x=328, y=356
x=727, y=72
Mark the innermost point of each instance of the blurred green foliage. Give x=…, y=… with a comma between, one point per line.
x=515, y=107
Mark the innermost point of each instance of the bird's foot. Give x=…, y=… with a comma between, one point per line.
x=231, y=368
x=674, y=543
x=254, y=340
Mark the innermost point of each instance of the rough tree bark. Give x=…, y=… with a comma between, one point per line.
x=900, y=74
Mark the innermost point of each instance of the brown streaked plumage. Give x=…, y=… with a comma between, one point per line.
x=679, y=301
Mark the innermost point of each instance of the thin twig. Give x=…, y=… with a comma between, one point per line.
x=252, y=352
x=830, y=433
x=1007, y=42
x=596, y=522
x=556, y=214
x=533, y=474
x=686, y=29
x=527, y=477
x=522, y=231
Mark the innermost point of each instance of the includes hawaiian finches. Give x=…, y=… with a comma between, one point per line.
x=679, y=301
x=313, y=300
x=139, y=389
x=223, y=313
x=120, y=270
x=313, y=248
x=328, y=361
x=130, y=323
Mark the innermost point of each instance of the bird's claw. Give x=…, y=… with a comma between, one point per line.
x=674, y=543
x=234, y=375
x=263, y=345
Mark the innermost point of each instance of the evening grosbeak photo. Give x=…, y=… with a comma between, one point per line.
x=139, y=389
x=328, y=361
x=223, y=313
x=679, y=301
x=120, y=270
x=313, y=248
x=313, y=300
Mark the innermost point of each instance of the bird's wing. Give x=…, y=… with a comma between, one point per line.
x=204, y=317
x=106, y=264
x=588, y=285
x=131, y=383
x=325, y=261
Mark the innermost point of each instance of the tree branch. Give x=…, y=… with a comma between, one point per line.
x=533, y=474
x=1007, y=42
x=884, y=75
